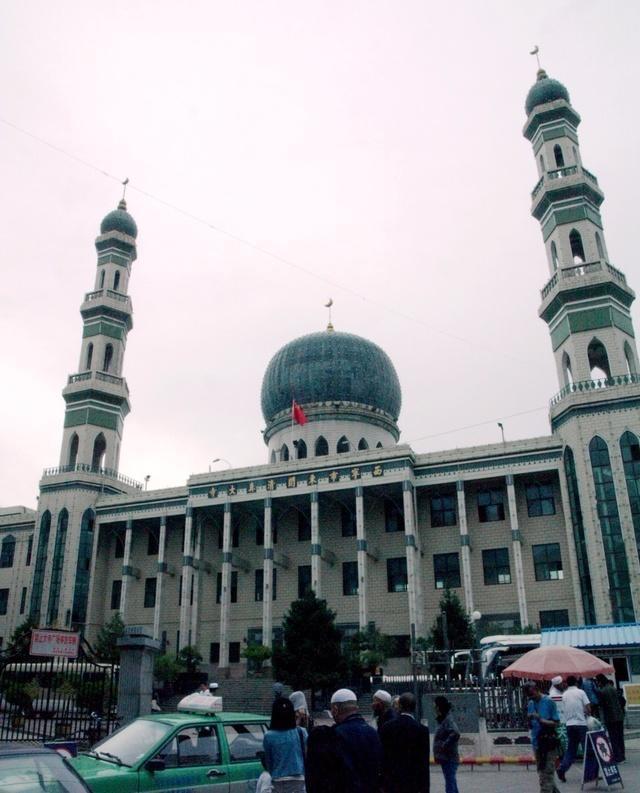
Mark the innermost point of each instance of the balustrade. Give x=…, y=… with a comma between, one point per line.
x=84, y=468
x=584, y=386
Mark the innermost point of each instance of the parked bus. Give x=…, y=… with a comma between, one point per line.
x=498, y=652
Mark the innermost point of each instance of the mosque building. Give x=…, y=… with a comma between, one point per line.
x=543, y=531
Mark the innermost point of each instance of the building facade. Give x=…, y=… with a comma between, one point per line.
x=543, y=531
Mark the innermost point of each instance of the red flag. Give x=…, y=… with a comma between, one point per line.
x=297, y=413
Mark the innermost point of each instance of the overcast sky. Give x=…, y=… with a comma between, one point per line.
x=377, y=146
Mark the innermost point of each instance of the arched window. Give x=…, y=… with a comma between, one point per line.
x=542, y=168
x=322, y=447
x=577, y=249
x=566, y=369
x=630, y=359
x=89, y=355
x=83, y=566
x=108, y=357
x=554, y=256
x=599, y=246
x=611, y=531
x=576, y=157
x=41, y=563
x=362, y=445
x=284, y=453
x=73, y=450
x=301, y=449
x=598, y=361
x=557, y=153
x=379, y=445
x=102, y=279
x=343, y=445
x=57, y=566
x=99, y=451
x=8, y=551
x=116, y=281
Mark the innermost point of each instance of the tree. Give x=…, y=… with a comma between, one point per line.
x=18, y=646
x=460, y=630
x=366, y=651
x=256, y=655
x=106, y=642
x=189, y=658
x=311, y=656
x=166, y=668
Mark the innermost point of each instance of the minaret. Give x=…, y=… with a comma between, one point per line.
x=586, y=305
x=97, y=402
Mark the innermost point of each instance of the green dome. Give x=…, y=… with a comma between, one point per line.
x=330, y=367
x=119, y=220
x=545, y=90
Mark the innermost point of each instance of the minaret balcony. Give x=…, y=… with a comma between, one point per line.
x=103, y=377
x=585, y=277
x=111, y=480
x=116, y=303
x=564, y=183
x=579, y=396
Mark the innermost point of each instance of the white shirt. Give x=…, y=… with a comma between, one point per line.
x=556, y=696
x=574, y=701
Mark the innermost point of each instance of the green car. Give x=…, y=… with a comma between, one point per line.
x=193, y=750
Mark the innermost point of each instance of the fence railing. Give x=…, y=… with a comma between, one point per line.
x=90, y=469
x=584, y=386
x=579, y=271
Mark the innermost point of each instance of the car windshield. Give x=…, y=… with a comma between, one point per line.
x=36, y=772
x=132, y=742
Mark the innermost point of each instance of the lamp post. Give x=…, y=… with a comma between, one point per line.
x=146, y=480
x=476, y=616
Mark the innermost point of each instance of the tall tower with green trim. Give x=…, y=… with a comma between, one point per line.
x=97, y=402
x=586, y=304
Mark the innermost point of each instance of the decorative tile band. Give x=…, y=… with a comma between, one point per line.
x=410, y=540
x=268, y=553
x=516, y=536
x=316, y=549
x=162, y=567
x=227, y=557
x=362, y=545
x=187, y=561
x=465, y=541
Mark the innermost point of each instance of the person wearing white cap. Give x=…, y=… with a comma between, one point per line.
x=555, y=692
x=299, y=702
x=381, y=706
x=357, y=752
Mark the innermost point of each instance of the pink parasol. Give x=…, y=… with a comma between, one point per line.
x=544, y=663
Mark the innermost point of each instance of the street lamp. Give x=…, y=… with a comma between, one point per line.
x=219, y=460
x=146, y=480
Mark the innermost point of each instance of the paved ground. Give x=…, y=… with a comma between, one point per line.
x=519, y=780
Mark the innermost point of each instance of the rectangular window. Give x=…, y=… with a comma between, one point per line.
x=193, y=578
x=275, y=583
x=547, y=562
x=495, y=563
x=443, y=510
x=260, y=534
x=490, y=505
x=116, y=591
x=397, y=574
x=554, y=618
x=304, y=580
x=180, y=591
x=446, y=570
x=234, y=587
x=234, y=652
x=540, y=500
x=4, y=600
x=23, y=599
x=29, y=550
x=119, y=540
x=220, y=538
x=348, y=521
x=149, y=593
x=393, y=517
x=153, y=543
x=304, y=524
x=235, y=536
x=214, y=653
x=259, y=585
x=349, y=578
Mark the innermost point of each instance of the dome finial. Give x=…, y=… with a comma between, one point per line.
x=123, y=203
x=328, y=305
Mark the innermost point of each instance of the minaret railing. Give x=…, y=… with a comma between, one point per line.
x=110, y=293
x=561, y=173
x=594, y=385
x=581, y=270
x=84, y=468
x=79, y=377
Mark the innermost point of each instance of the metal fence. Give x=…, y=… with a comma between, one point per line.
x=57, y=698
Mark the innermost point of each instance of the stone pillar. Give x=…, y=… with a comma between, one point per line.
x=267, y=576
x=162, y=571
x=465, y=547
x=225, y=598
x=126, y=570
x=187, y=569
x=411, y=548
x=363, y=605
x=571, y=547
x=91, y=618
x=135, y=681
x=197, y=574
x=316, y=548
x=516, y=544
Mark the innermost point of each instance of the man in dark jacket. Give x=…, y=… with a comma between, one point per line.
x=356, y=751
x=405, y=751
x=613, y=716
x=381, y=707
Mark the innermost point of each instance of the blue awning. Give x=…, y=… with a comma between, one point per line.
x=591, y=636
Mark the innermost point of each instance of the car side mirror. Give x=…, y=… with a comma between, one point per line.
x=155, y=764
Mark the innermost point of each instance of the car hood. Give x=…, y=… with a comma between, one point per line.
x=102, y=775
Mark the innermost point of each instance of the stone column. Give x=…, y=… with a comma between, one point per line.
x=187, y=569
x=92, y=619
x=316, y=548
x=465, y=547
x=135, y=681
x=162, y=570
x=571, y=547
x=411, y=548
x=225, y=598
x=126, y=570
x=197, y=575
x=267, y=576
x=516, y=544
x=363, y=605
